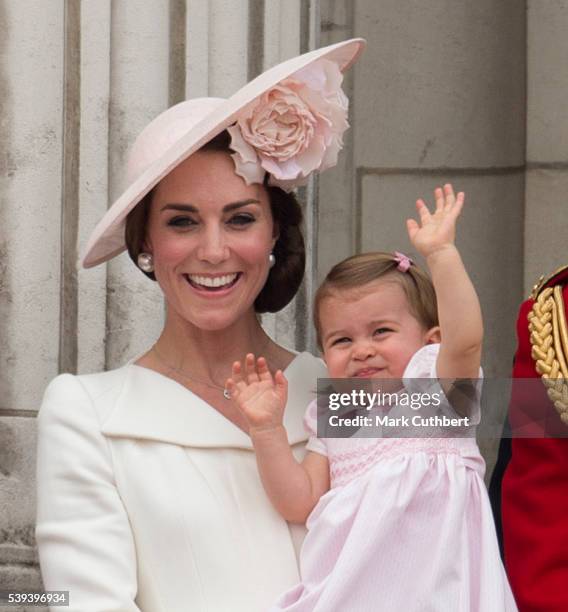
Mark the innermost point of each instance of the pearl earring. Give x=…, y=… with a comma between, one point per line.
x=271, y=260
x=146, y=262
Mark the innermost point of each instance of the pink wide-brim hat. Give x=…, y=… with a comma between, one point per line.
x=183, y=129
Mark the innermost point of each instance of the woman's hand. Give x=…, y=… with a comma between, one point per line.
x=436, y=231
x=259, y=396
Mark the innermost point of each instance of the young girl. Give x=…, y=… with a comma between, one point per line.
x=394, y=524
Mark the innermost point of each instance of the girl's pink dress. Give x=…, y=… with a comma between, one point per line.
x=406, y=527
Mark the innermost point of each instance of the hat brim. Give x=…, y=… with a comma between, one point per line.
x=107, y=239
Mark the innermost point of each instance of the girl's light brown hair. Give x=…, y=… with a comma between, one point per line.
x=359, y=270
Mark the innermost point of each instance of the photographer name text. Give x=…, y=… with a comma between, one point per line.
x=363, y=420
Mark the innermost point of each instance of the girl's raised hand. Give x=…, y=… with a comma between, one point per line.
x=436, y=231
x=260, y=396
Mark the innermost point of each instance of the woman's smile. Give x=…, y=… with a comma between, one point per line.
x=213, y=285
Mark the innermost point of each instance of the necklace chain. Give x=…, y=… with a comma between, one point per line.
x=211, y=385
x=178, y=371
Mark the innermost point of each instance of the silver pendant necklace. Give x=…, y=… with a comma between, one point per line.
x=171, y=368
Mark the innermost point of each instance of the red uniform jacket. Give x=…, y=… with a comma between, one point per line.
x=535, y=489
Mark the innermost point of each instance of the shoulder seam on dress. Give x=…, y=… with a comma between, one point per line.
x=99, y=425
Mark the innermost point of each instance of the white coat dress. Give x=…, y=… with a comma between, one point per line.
x=150, y=500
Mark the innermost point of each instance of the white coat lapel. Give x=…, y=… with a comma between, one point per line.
x=154, y=407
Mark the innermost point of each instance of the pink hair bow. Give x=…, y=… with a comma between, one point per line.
x=404, y=262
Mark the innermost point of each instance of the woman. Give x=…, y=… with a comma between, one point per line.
x=148, y=493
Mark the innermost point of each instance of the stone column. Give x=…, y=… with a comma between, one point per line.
x=139, y=90
x=32, y=86
x=92, y=185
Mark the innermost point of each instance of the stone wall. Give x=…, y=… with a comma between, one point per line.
x=439, y=96
x=546, y=225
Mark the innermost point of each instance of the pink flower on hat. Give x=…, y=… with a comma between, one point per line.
x=294, y=129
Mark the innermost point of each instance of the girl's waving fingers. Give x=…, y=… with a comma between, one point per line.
x=412, y=228
x=454, y=203
x=250, y=369
x=460, y=199
x=423, y=211
x=440, y=197
x=262, y=369
x=436, y=230
x=235, y=384
x=449, y=197
x=281, y=386
x=236, y=372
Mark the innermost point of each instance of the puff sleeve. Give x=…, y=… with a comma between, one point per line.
x=421, y=376
x=83, y=534
x=315, y=444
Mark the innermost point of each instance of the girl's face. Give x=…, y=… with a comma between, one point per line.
x=210, y=235
x=370, y=332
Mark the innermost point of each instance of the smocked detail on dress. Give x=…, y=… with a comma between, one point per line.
x=346, y=466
